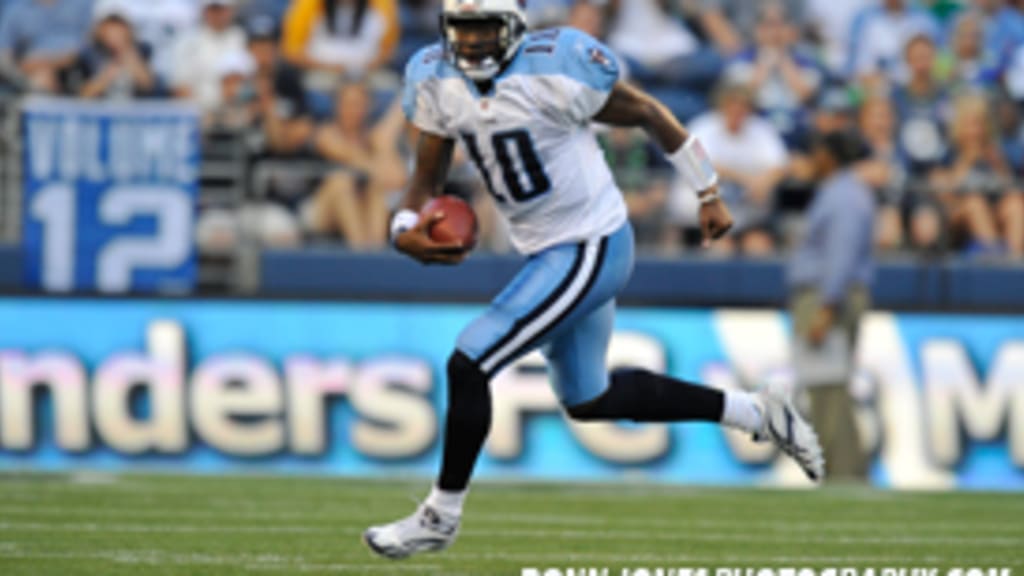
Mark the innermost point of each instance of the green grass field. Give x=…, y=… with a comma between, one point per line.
x=140, y=525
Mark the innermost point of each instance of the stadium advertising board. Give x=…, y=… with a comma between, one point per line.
x=109, y=195
x=357, y=389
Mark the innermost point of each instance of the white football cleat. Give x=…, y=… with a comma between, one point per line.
x=427, y=530
x=784, y=426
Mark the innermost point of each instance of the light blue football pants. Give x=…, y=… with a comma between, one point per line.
x=562, y=302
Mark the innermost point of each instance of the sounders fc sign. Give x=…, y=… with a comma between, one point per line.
x=919, y=417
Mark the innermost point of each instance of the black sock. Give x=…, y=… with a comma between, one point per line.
x=644, y=396
x=469, y=421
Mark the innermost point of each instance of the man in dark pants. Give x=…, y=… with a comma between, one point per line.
x=829, y=277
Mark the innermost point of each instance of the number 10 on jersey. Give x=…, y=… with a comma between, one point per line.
x=522, y=174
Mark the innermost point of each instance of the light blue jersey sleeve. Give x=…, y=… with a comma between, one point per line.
x=419, y=93
x=588, y=69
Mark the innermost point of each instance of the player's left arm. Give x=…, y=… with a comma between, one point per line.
x=628, y=106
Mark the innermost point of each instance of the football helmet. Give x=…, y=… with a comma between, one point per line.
x=482, y=60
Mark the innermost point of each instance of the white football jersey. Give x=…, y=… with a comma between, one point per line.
x=530, y=135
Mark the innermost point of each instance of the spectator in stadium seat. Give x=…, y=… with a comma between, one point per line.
x=1003, y=39
x=829, y=23
x=237, y=108
x=879, y=38
x=1002, y=28
x=160, y=24
x=732, y=24
x=885, y=171
x=751, y=161
x=659, y=46
x=281, y=109
x=922, y=108
x=334, y=39
x=353, y=201
x=977, y=187
x=42, y=38
x=966, y=63
x=115, y=66
x=783, y=77
x=923, y=113
x=833, y=111
x=198, y=54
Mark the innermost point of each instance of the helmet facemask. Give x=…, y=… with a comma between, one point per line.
x=481, y=60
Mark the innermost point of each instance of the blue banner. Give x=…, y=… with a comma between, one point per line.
x=109, y=196
x=357, y=389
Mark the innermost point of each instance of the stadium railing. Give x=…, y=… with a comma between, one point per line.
x=686, y=281
x=10, y=169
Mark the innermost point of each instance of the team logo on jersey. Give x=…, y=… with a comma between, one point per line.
x=597, y=56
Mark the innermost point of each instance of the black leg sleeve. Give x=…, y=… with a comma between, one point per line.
x=469, y=421
x=644, y=396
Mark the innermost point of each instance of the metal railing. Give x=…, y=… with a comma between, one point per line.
x=10, y=170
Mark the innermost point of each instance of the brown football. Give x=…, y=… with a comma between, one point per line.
x=459, y=222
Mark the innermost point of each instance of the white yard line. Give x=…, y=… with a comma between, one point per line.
x=566, y=559
x=269, y=562
x=683, y=536
x=680, y=535
x=359, y=487
x=349, y=515
x=262, y=562
x=154, y=528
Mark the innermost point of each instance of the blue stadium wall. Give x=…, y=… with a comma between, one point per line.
x=910, y=285
x=354, y=386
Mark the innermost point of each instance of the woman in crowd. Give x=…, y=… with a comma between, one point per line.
x=751, y=160
x=965, y=62
x=332, y=39
x=114, y=66
x=352, y=201
x=885, y=170
x=782, y=75
x=977, y=187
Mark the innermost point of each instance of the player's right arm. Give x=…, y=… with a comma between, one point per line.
x=433, y=159
x=629, y=106
x=590, y=89
x=410, y=234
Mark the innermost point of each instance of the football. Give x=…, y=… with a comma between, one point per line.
x=459, y=221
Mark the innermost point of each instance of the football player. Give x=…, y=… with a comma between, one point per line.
x=521, y=104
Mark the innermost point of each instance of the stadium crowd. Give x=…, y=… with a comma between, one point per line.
x=936, y=88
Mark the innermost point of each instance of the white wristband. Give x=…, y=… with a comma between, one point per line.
x=708, y=198
x=694, y=165
x=402, y=221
